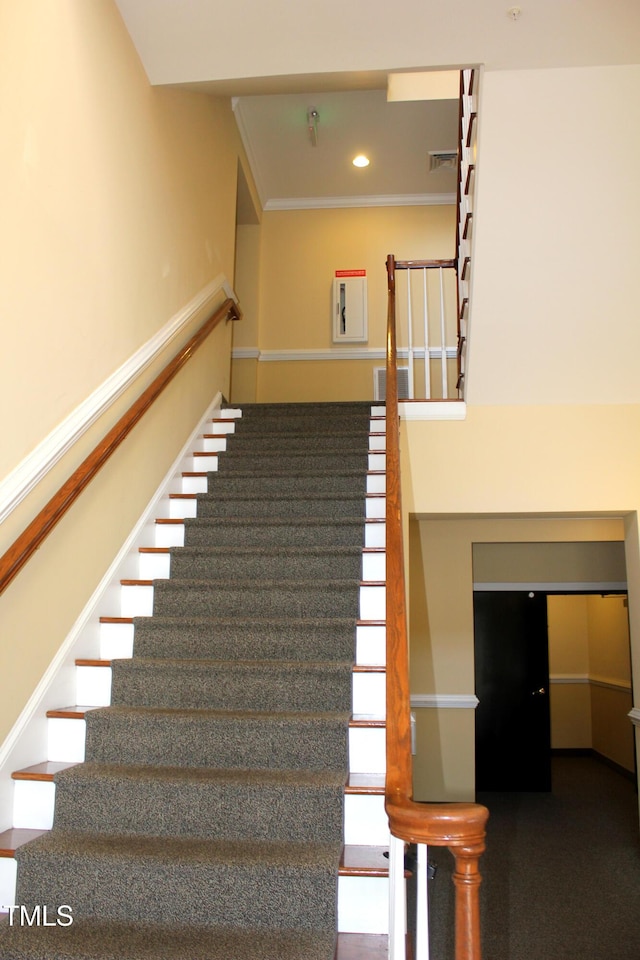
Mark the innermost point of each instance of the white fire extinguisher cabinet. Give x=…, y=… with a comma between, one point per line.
x=350, y=306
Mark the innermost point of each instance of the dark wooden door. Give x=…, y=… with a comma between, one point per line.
x=513, y=728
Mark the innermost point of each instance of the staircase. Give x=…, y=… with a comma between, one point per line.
x=230, y=802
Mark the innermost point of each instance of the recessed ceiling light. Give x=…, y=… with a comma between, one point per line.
x=360, y=161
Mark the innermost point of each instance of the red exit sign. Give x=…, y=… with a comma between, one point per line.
x=351, y=273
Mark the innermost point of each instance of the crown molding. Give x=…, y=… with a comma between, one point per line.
x=33, y=468
x=380, y=200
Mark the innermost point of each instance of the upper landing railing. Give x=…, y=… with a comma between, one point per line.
x=458, y=826
x=433, y=299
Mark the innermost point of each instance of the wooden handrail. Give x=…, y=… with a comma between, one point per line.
x=41, y=526
x=458, y=826
x=424, y=264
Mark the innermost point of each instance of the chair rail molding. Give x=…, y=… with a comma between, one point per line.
x=27, y=474
x=447, y=701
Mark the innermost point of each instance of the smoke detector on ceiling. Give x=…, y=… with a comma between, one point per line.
x=447, y=159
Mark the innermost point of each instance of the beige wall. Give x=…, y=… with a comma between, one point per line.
x=570, y=692
x=555, y=239
x=118, y=208
x=300, y=252
x=610, y=670
x=535, y=465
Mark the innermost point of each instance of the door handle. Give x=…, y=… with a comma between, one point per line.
x=540, y=692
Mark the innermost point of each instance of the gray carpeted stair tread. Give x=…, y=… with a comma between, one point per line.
x=286, y=483
x=274, y=531
x=337, y=441
x=297, y=598
x=103, y=940
x=232, y=685
x=218, y=738
x=147, y=878
x=265, y=562
x=207, y=819
x=245, y=638
x=260, y=504
x=305, y=462
x=209, y=803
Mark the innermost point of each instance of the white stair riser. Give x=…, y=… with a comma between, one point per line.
x=154, y=566
x=179, y=509
x=377, y=442
x=229, y=413
x=367, y=750
x=8, y=869
x=93, y=686
x=377, y=461
x=371, y=645
x=66, y=739
x=375, y=508
x=374, y=534
x=369, y=694
x=33, y=802
x=136, y=601
x=372, y=603
x=169, y=535
x=212, y=444
x=376, y=483
x=220, y=426
x=363, y=905
x=374, y=566
x=193, y=485
x=208, y=463
x=116, y=640
x=379, y=410
x=365, y=820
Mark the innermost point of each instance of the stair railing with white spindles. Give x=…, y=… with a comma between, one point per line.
x=415, y=322
x=458, y=826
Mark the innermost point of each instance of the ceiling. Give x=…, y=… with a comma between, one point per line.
x=397, y=137
x=280, y=59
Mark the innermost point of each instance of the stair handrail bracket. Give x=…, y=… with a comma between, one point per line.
x=459, y=826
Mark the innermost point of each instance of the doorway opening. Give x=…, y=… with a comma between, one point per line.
x=553, y=674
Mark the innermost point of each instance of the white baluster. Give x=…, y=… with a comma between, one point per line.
x=427, y=366
x=422, y=904
x=410, y=335
x=397, y=901
x=443, y=339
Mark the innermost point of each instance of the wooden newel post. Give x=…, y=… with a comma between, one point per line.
x=467, y=879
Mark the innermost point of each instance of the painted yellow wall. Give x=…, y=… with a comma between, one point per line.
x=441, y=594
x=570, y=694
x=609, y=658
x=300, y=252
x=118, y=208
x=555, y=236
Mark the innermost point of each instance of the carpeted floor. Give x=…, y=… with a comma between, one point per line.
x=561, y=875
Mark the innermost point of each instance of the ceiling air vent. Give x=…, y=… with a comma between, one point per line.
x=380, y=383
x=447, y=159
